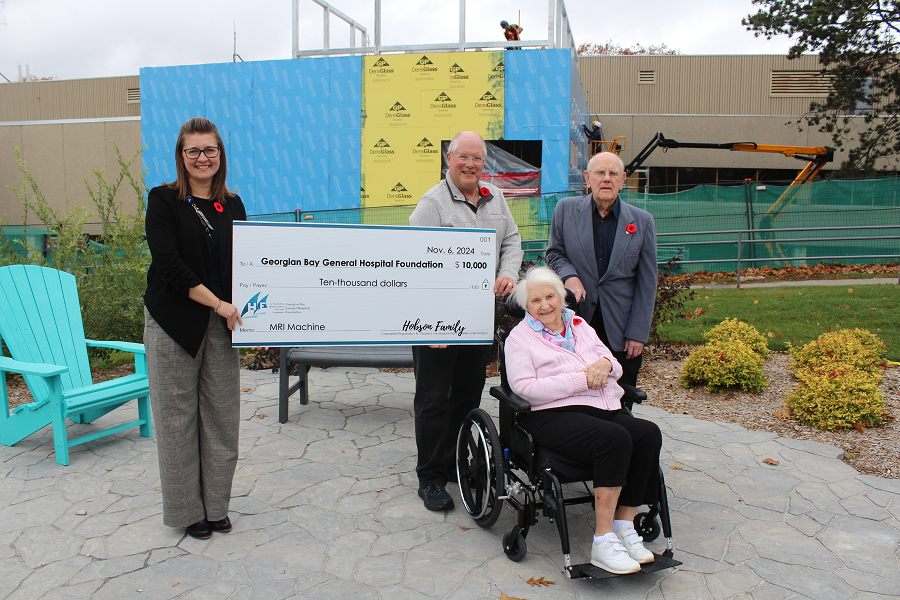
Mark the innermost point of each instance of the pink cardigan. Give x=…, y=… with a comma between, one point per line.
x=548, y=376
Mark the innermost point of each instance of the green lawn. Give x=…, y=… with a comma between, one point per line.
x=796, y=314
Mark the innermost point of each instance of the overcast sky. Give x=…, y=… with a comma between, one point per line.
x=71, y=39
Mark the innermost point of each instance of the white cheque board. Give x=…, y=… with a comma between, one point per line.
x=306, y=284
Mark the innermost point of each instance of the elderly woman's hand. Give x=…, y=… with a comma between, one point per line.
x=597, y=373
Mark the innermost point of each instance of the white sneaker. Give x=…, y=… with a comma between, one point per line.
x=610, y=555
x=633, y=543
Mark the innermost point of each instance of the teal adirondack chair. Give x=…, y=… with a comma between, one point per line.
x=40, y=321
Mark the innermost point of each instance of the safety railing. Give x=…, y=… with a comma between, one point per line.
x=745, y=241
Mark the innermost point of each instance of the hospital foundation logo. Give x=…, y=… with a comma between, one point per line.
x=488, y=100
x=399, y=191
x=380, y=67
x=425, y=147
x=457, y=72
x=443, y=101
x=424, y=66
x=255, y=306
x=397, y=111
x=498, y=72
x=381, y=147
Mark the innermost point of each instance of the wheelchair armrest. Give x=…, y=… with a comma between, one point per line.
x=633, y=394
x=516, y=403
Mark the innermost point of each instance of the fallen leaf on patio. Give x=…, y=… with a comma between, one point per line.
x=465, y=528
x=782, y=414
x=262, y=416
x=505, y=597
x=770, y=461
x=176, y=584
x=246, y=389
x=539, y=582
x=677, y=467
x=342, y=451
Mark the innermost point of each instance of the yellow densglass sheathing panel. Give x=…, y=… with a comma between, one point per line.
x=411, y=103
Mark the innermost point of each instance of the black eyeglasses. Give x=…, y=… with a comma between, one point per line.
x=210, y=152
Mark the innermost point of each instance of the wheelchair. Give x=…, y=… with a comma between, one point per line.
x=493, y=469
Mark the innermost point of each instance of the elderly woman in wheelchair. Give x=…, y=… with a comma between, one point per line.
x=556, y=362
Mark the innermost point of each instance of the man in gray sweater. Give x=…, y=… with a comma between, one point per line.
x=449, y=380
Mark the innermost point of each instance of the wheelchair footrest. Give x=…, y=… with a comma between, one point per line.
x=662, y=561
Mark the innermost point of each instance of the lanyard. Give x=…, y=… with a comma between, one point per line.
x=203, y=219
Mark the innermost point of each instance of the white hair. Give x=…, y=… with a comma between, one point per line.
x=538, y=276
x=594, y=158
x=455, y=142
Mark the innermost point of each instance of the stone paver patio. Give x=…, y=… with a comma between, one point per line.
x=325, y=507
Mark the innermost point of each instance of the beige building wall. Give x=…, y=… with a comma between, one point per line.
x=101, y=98
x=63, y=129
x=709, y=99
x=60, y=155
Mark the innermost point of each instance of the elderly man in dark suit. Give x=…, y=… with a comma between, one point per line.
x=605, y=252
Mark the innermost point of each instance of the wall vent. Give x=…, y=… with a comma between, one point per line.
x=133, y=96
x=647, y=77
x=799, y=83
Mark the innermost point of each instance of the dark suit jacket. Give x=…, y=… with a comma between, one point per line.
x=181, y=257
x=627, y=292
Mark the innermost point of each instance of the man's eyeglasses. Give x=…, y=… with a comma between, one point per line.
x=210, y=152
x=478, y=160
x=602, y=174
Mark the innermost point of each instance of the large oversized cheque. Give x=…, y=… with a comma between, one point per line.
x=304, y=284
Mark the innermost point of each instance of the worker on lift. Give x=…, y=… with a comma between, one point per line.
x=595, y=134
x=511, y=32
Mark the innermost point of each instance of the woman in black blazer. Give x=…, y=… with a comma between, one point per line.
x=194, y=372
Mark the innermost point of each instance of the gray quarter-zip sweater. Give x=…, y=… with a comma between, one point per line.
x=445, y=206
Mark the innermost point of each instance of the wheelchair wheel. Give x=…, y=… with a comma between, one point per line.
x=646, y=526
x=515, y=549
x=479, y=468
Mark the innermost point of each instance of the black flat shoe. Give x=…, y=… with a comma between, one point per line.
x=200, y=530
x=221, y=526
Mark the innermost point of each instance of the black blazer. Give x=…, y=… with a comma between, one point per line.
x=181, y=256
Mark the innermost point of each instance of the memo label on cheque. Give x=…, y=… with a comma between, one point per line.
x=310, y=284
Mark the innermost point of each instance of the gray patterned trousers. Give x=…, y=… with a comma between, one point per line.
x=196, y=411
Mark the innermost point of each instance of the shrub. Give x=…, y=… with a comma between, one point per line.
x=111, y=275
x=671, y=294
x=732, y=329
x=723, y=364
x=855, y=347
x=837, y=398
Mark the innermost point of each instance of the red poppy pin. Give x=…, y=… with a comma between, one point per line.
x=630, y=228
x=219, y=209
x=577, y=321
x=485, y=192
